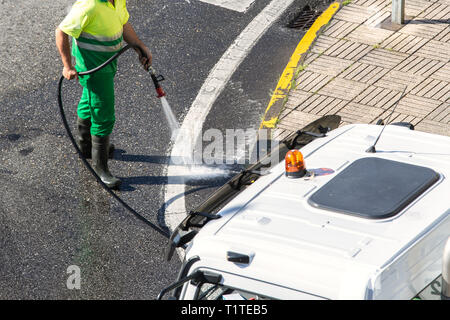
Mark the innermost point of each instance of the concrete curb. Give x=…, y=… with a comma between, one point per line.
x=294, y=66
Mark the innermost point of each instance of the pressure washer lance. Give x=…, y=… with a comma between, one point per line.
x=156, y=80
x=168, y=113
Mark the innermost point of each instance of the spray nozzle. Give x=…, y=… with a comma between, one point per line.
x=156, y=80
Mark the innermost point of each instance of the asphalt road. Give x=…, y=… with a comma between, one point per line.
x=52, y=213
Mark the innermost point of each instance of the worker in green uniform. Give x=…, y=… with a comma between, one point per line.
x=98, y=29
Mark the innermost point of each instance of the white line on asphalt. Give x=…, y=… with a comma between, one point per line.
x=236, y=5
x=174, y=206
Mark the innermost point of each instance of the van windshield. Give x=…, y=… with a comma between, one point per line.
x=209, y=291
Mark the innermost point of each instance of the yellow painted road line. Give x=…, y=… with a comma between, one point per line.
x=284, y=83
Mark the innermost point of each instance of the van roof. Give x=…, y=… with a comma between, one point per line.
x=374, y=188
x=298, y=242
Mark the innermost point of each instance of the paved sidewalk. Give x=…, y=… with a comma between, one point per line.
x=359, y=65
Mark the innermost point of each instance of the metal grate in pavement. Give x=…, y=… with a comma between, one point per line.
x=304, y=19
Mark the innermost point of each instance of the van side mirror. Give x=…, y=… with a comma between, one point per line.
x=196, y=277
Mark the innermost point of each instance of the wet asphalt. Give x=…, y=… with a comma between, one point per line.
x=52, y=212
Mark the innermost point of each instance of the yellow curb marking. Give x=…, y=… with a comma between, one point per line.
x=284, y=83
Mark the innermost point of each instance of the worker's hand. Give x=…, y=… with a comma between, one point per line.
x=145, y=57
x=70, y=73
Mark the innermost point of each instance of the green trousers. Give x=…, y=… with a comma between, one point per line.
x=97, y=103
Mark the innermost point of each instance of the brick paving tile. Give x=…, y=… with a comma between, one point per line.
x=433, y=89
x=323, y=43
x=362, y=72
x=399, y=117
x=440, y=114
x=339, y=28
x=297, y=120
x=359, y=113
x=284, y=114
x=355, y=13
x=414, y=7
x=405, y=43
x=334, y=106
x=369, y=35
x=446, y=119
x=436, y=50
x=377, y=18
x=349, y=50
x=329, y=66
x=311, y=81
x=436, y=11
x=378, y=97
x=296, y=98
x=423, y=28
x=444, y=35
x=280, y=134
x=376, y=5
x=419, y=66
x=339, y=47
x=443, y=73
x=321, y=105
x=343, y=89
x=446, y=96
x=432, y=127
x=310, y=58
x=417, y=106
x=315, y=103
x=383, y=58
x=398, y=80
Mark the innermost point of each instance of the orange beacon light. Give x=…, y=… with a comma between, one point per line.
x=294, y=163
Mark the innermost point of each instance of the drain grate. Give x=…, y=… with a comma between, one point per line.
x=304, y=19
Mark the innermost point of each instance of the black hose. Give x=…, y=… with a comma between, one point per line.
x=80, y=154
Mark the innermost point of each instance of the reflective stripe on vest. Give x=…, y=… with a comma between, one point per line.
x=100, y=43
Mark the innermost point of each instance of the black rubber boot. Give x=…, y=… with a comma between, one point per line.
x=100, y=161
x=84, y=139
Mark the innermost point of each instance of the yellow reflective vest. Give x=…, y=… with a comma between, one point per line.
x=96, y=27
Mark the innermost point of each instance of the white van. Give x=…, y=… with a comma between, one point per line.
x=358, y=222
